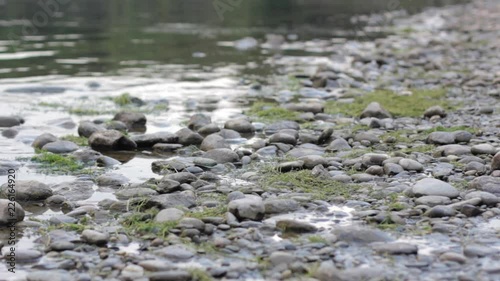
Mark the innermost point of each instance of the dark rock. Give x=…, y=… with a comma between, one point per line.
x=214, y=141
x=148, y=140
x=240, y=125
x=374, y=109
x=111, y=140
x=199, y=120
x=44, y=139
x=187, y=137
x=135, y=121
x=10, y=121
x=222, y=155
x=60, y=147
x=87, y=128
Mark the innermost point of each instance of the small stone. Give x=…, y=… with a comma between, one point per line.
x=27, y=191
x=374, y=109
x=60, y=147
x=280, y=206
x=339, y=144
x=495, y=162
x=295, y=226
x=279, y=257
x=10, y=121
x=87, y=128
x=94, y=237
x=133, y=120
x=441, y=138
x=435, y=111
x=433, y=200
x=43, y=139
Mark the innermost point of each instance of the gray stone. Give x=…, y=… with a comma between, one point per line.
x=453, y=149
x=148, y=140
x=60, y=147
x=176, y=253
x=283, y=138
x=395, y=248
x=179, y=199
x=486, y=183
x=374, y=109
x=116, y=125
x=27, y=191
x=486, y=197
x=6, y=214
x=484, y=148
x=10, y=121
x=44, y=139
x=365, y=136
x=313, y=107
x=295, y=226
x=228, y=134
x=328, y=272
x=411, y=165
x=454, y=257
x=476, y=250
x=111, y=140
x=172, y=275
x=133, y=120
x=433, y=200
x=311, y=161
x=209, y=129
x=280, y=206
x=462, y=136
x=112, y=180
x=339, y=144
x=74, y=191
x=441, y=138
x=240, y=125
x=281, y=125
x=166, y=147
x=214, y=141
x=371, y=159
x=290, y=166
x=355, y=234
x=440, y=211
x=94, y=237
x=430, y=186
x=187, y=137
x=25, y=255
x=222, y=155
x=251, y=207
x=87, y=128
x=495, y=162
x=199, y=120
x=435, y=111
x=128, y=193
x=280, y=257
x=392, y=169
x=169, y=215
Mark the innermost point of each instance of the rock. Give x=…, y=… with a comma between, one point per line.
x=281, y=125
x=374, y=109
x=355, y=234
x=10, y=121
x=395, y=248
x=86, y=155
x=213, y=141
x=476, y=250
x=325, y=135
x=313, y=107
x=375, y=171
x=199, y=120
x=429, y=186
x=433, y=200
x=279, y=257
x=306, y=150
x=166, y=147
x=435, y=111
x=486, y=183
x=191, y=223
x=127, y=193
x=440, y=211
x=462, y=136
x=392, y=169
x=228, y=134
x=133, y=120
x=411, y=165
x=182, y=177
x=453, y=149
x=179, y=199
x=169, y=215
x=280, y=206
x=176, y=253
x=116, y=125
x=484, y=148
x=372, y=159
x=470, y=210
x=290, y=166
x=251, y=207
x=24, y=255
x=43, y=139
x=339, y=144
x=112, y=180
x=441, y=138
x=10, y=133
x=105, y=161
x=87, y=128
x=148, y=140
x=171, y=275
x=495, y=162
x=59, y=147
x=240, y=125
x=222, y=155
x=111, y=139
x=368, y=137
x=454, y=257
x=74, y=191
x=27, y=191
x=94, y=237
x=295, y=226
x=209, y=129
x=50, y=275
x=187, y=137
x=328, y=272
x=132, y=271
x=283, y=138
x=7, y=216
x=486, y=197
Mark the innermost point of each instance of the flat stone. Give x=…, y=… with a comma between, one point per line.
x=395, y=248
x=60, y=147
x=148, y=140
x=430, y=186
x=432, y=200
x=94, y=237
x=440, y=211
x=355, y=234
x=176, y=253
x=27, y=191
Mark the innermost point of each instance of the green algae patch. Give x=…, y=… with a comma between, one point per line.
x=123, y=100
x=270, y=112
x=80, y=141
x=413, y=105
x=320, y=188
x=56, y=163
x=139, y=224
x=471, y=130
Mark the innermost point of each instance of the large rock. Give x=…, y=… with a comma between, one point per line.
x=375, y=110
x=111, y=139
x=7, y=216
x=148, y=140
x=198, y=121
x=74, y=191
x=43, y=139
x=251, y=207
x=411, y=165
x=486, y=183
x=87, y=128
x=430, y=186
x=60, y=147
x=222, y=155
x=283, y=138
x=213, y=141
x=240, y=125
x=94, y=237
x=133, y=120
x=441, y=138
x=27, y=191
x=187, y=137
x=10, y=121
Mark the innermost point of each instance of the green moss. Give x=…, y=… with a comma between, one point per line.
x=81, y=141
x=139, y=224
x=269, y=112
x=57, y=163
x=396, y=206
x=398, y=105
x=50, y=104
x=452, y=129
x=218, y=211
x=198, y=274
x=304, y=181
x=123, y=99
x=424, y=148
x=400, y=136
x=317, y=239
x=86, y=111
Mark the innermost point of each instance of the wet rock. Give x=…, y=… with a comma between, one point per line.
x=295, y=226
x=133, y=120
x=357, y=234
x=429, y=186
x=495, y=162
x=476, y=250
x=169, y=215
x=470, y=210
x=74, y=191
x=462, y=136
x=374, y=109
x=191, y=223
x=452, y=149
x=179, y=199
x=306, y=150
x=375, y=171
x=433, y=200
x=240, y=125
x=281, y=125
x=290, y=166
x=209, y=129
x=187, y=137
x=395, y=248
x=280, y=206
x=411, y=165
x=27, y=191
x=112, y=180
x=60, y=147
x=106, y=161
x=435, y=111
x=213, y=141
x=25, y=255
x=283, y=138
x=94, y=237
x=486, y=197
x=86, y=155
x=368, y=137
x=44, y=139
x=111, y=139
x=148, y=140
x=441, y=138
x=182, y=177
x=10, y=133
x=440, y=211
x=305, y=107
x=251, y=207
x=116, y=125
x=222, y=155
x=6, y=214
x=339, y=144
x=87, y=128
x=10, y=121
x=486, y=183
x=484, y=148
x=328, y=272
x=176, y=253
x=199, y=120
x=166, y=185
